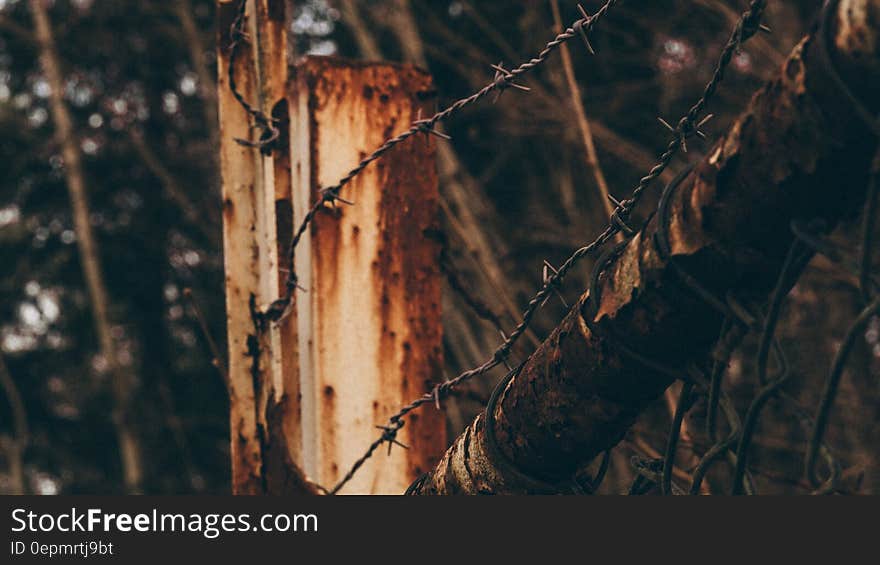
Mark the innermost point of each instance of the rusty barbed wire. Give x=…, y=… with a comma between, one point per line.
x=502, y=80
x=738, y=318
x=745, y=28
x=267, y=124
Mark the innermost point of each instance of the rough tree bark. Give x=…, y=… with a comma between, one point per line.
x=88, y=249
x=799, y=151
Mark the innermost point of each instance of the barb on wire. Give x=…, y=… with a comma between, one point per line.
x=505, y=81
x=579, y=28
x=545, y=278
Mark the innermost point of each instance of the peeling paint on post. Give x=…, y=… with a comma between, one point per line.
x=369, y=326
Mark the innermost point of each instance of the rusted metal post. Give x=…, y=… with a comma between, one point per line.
x=307, y=391
x=256, y=209
x=369, y=325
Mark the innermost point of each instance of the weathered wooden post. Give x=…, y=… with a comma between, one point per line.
x=307, y=392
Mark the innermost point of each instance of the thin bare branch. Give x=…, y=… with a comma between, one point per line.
x=592, y=158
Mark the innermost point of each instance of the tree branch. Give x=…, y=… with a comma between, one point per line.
x=88, y=247
x=366, y=43
x=174, y=190
x=592, y=158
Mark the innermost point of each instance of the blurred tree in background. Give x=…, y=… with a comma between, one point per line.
x=518, y=187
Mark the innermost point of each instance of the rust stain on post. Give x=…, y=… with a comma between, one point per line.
x=369, y=326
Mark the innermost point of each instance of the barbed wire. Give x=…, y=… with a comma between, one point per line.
x=745, y=28
x=267, y=125
x=738, y=318
x=502, y=80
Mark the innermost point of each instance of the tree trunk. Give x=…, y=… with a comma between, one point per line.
x=729, y=225
x=88, y=249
